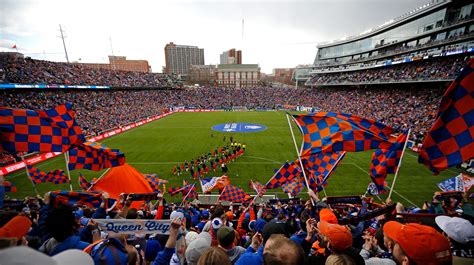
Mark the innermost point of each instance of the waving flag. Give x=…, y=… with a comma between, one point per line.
x=184, y=189
x=451, y=139
x=155, y=182
x=9, y=186
x=83, y=183
x=258, y=187
x=53, y=130
x=91, y=199
x=234, y=194
x=320, y=167
x=386, y=162
x=294, y=186
x=189, y=193
x=38, y=176
x=214, y=183
x=94, y=156
x=331, y=132
x=286, y=173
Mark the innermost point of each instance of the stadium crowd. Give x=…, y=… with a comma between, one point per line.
x=276, y=232
x=433, y=69
x=16, y=69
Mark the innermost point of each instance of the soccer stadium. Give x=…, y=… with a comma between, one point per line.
x=364, y=156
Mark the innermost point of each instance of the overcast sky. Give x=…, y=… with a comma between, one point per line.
x=276, y=33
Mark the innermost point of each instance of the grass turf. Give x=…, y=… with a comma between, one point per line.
x=158, y=146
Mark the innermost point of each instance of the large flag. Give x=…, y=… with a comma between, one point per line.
x=258, y=187
x=214, y=183
x=83, y=183
x=286, y=173
x=331, y=132
x=155, y=182
x=94, y=156
x=294, y=186
x=234, y=194
x=320, y=167
x=386, y=162
x=91, y=199
x=55, y=176
x=53, y=130
x=451, y=139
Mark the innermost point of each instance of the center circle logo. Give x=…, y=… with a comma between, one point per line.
x=239, y=127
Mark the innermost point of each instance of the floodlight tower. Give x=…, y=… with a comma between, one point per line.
x=64, y=43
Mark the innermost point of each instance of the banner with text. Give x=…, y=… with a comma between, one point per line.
x=135, y=226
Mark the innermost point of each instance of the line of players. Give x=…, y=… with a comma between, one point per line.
x=202, y=165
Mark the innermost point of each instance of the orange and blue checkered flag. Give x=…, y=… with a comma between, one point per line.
x=56, y=176
x=286, y=173
x=332, y=132
x=155, y=182
x=294, y=186
x=94, y=156
x=9, y=186
x=451, y=139
x=320, y=167
x=189, y=192
x=386, y=162
x=83, y=183
x=53, y=130
x=258, y=187
x=234, y=194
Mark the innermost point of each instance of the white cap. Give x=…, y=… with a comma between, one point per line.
x=176, y=214
x=26, y=255
x=216, y=223
x=458, y=229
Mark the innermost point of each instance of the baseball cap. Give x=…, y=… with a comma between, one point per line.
x=421, y=243
x=176, y=214
x=459, y=229
x=328, y=216
x=339, y=236
x=197, y=247
x=230, y=215
x=205, y=214
x=26, y=255
x=225, y=236
x=17, y=227
x=190, y=237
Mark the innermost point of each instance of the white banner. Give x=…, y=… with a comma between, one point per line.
x=135, y=226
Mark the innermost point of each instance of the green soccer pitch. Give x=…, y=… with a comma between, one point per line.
x=158, y=146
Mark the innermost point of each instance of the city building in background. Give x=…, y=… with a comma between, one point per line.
x=283, y=75
x=179, y=58
x=121, y=63
x=439, y=28
x=237, y=75
x=201, y=74
x=231, y=57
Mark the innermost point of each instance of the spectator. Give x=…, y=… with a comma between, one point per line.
x=214, y=256
x=461, y=236
x=226, y=236
x=281, y=250
x=416, y=244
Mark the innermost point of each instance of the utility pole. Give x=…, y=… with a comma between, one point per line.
x=64, y=43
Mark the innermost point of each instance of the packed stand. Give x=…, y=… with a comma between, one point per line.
x=282, y=231
x=433, y=69
x=19, y=70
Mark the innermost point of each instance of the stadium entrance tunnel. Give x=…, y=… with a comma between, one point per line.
x=239, y=127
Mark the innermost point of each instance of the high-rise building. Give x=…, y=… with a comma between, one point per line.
x=231, y=57
x=180, y=57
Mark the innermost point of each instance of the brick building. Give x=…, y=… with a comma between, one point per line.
x=122, y=64
x=231, y=57
x=237, y=75
x=180, y=57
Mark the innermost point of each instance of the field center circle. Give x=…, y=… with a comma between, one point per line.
x=239, y=127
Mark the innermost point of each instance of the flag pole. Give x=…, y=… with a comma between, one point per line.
x=399, y=164
x=66, y=158
x=219, y=198
x=298, y=153
x=29, y=177
x=185, y=197
x=330, y=171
